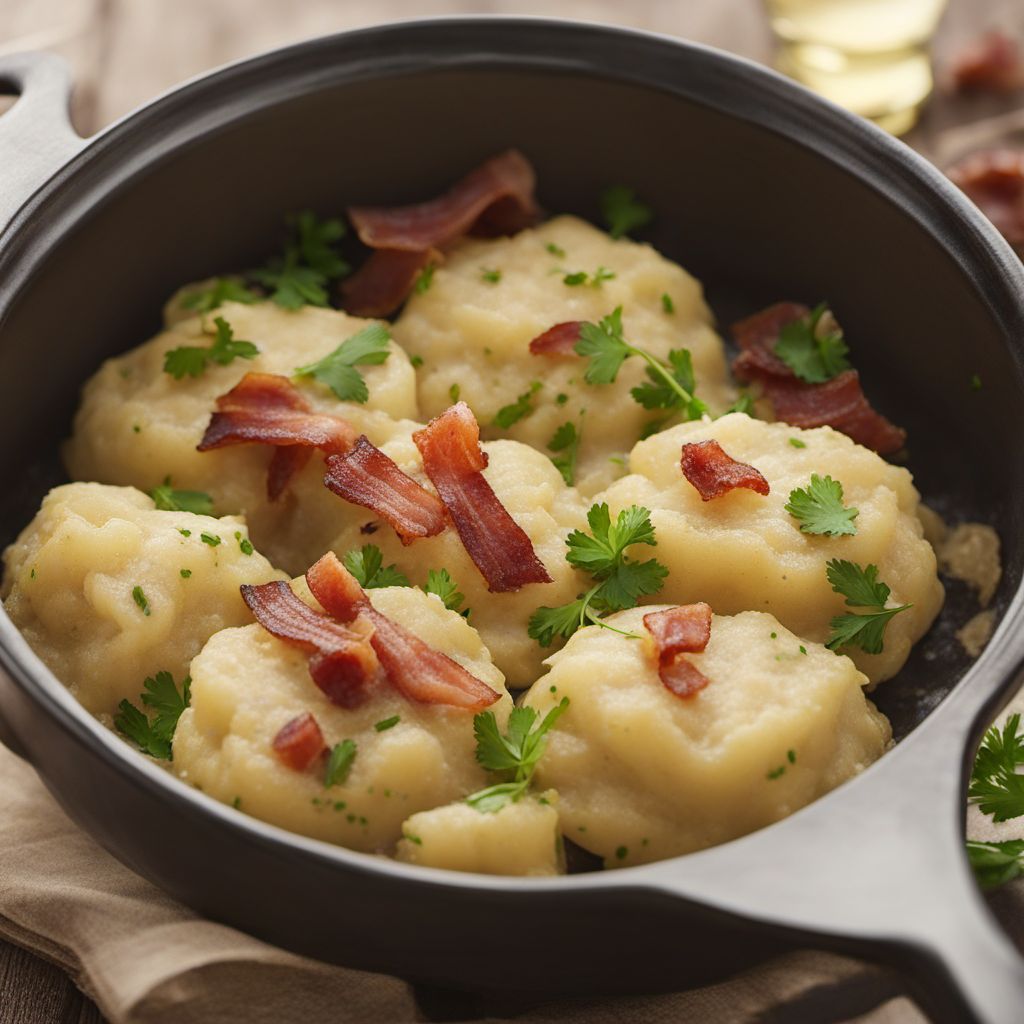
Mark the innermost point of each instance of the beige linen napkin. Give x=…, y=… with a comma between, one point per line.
x=146, y=959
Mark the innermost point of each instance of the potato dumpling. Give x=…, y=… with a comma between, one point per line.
x=745, y=551
x=137, y=424
x=522, y=838
x=643, y=774
x=109, y=590
x=536, y=497
x=246, y=685
x=474, y=333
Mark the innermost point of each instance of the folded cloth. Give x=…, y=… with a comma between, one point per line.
x=146, y=959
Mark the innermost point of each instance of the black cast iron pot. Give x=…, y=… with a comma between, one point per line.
x=761, y=190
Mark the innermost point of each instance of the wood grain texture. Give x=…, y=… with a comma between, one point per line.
x=123, y=52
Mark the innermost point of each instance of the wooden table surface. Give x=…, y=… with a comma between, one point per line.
x=125, y=51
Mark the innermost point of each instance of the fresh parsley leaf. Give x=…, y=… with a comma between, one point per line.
x=191, y=360
x=367, y=565
x=154, y=736
x=310, y=261
x=995, y=785
x=862, y=589
x=819, y=508
x=555, y=250
x=387, y=723
x=507, y=415
x=165, y=497
x=565, y=442
x=514, y=754
x=439, y=582
x=658, y=394
x=744, y=404
x=339, y=764
x=622, y=211
x=667, y=304
x=620, y=582
x=219, y=291
x=424, y=280
x=603, y=344
x=369, y=347
x=813, y=355
x=139, y=597
x=797, y=443
x=491, y=276
x=995, y=864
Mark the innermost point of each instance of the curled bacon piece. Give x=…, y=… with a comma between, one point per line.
x=453, y=459
x=495, y=198
x=299, y=742
x=265, y=408
x=378, y=287
x=365, y=476
x=437, y=222
x=559, y=340
x=839, y=403
x=994, y=181
x=714, y=473
x=342, y=662
x=414, y=668
x=679, y=631
x=991, y=63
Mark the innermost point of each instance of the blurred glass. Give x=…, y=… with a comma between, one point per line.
x=870, y=56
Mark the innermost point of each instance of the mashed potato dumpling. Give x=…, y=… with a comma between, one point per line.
x=745, y=551
x=536, y=497
x=109, y=590
x=522, y=838
x=643, y=774
x=246, y=685
x=137, y=424
x=474, y=334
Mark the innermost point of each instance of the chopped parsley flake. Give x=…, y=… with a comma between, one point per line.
x=744, y=404
x=237, y=803
x=667, y=304
x=595, y=280
x=424, y=280
x=565, y=443
x=415, y=362
x=513, y=756
x=387, y=723
x=184, y=532
x=556, y=250
x=454, y=391
x=140, y=599
x=165, y=497
x=244, y=544
x=862, y=589
x=412, y=839
x=439, y=582
x=192, y=360
x=776, y=773
x=219, y=291
x=210, y=538
x=819, y=508
x=367, y=565
x=797, y=443
x=619, y=582
x=186, y=573
x=491, y=276
x=154, y=736
x=622, y=211
x=561, y=398
x=508, y=415
x=339, y=764
x=814, y=356
x=791, y=756
x=369, y=347
x=310, y=261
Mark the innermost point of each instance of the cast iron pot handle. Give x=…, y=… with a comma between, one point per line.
x=36, y=137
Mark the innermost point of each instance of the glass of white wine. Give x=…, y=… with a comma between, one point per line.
x=870, y=56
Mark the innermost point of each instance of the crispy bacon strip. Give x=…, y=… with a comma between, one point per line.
x=414, y=668
x=990, y=63
x=559, y=340
x=714, y=473
x=437, y=222
x=342, y=662
x=382, y=283
x=365, y=476
x=839, y=403
x=299, y=742
x=679, y=631
x=264, y=408
x=453, y=459
x=994, y=181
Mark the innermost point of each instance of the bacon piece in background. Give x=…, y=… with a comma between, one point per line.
x=839, y=403
x=559, y=340
x=994, y=181
x=299, y=742
x=414, y=668
x=714, y=473
x=495, y=198
x=341, y=661
x=685, y=629
x=365, y=476
x=265, y=408
x=454, y=461
x=990, y=63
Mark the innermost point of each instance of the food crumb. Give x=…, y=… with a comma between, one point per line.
x=976, y=632
x=970, y=552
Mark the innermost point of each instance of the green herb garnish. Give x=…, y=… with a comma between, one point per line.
x=819, y=508
x=210, y=538
x=862, y=589
x=565, y=442
x=387, y=723
x=812, y=358
x=424, y=279
x=139, y=597
x=439, y=582
x=192, y=360
x=367, y=565
x=310, y=261
x=622, y=211
x=595, y=280
x=369, y=347
x=168, y=499
x=339, y=764
x=219, y=291
x=154, y=736
x=507, y=415
x=491, y=276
